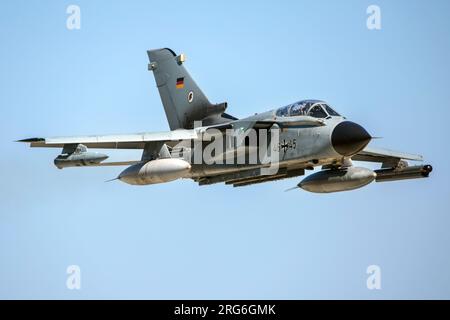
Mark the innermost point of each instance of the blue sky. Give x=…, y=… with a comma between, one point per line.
x=182, y=241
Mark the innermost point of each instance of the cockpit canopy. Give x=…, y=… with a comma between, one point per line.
x=312, y=108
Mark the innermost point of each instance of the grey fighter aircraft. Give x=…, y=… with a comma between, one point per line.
x=310, y=133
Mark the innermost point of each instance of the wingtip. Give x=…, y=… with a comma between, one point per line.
x=30, y=140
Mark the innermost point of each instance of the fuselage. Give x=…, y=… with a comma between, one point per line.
x=300, y=145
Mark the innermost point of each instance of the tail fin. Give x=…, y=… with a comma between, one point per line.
x=182, y=99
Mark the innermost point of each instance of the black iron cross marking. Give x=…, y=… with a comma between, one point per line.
x=284, y=146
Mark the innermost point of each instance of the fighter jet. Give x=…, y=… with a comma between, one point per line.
x=210, y=146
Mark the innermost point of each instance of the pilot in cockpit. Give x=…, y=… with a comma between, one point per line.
x=316, y=109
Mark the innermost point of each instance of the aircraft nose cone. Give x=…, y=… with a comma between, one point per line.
x=348, y=138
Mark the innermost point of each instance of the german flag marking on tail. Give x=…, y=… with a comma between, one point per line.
x=180, y=83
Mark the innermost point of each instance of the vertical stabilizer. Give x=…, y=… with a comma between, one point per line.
x=182, y=99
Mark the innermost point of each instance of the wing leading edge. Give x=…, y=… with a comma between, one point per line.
x=381, y=155
x=120, y=141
